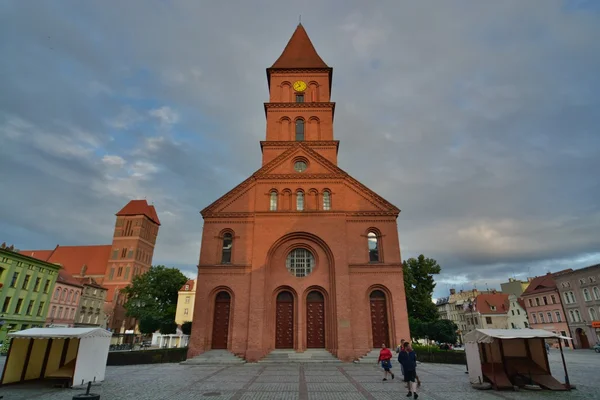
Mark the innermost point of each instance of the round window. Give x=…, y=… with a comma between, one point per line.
x=300, y=262
x=300, y=166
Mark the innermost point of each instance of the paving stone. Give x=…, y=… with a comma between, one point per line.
x=274, y=387
x=335, y=396
x=270, y=396
x=330, y=387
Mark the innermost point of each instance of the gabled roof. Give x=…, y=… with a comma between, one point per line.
x=485, y=301
x=289, y=153
x=544, y=283
x=299, y=52
x=72, y=258
x=189, y=283
x=65, y=278
x=89, y=281
x=140, y=207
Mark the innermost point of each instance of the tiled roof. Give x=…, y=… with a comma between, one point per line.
x=91, y=282
x=72, y=258
x=299, y=52
x=191, y=285
x=485, y=301
x=65, y=278
x=39, y=254
x=140, y=207
x=544, y=283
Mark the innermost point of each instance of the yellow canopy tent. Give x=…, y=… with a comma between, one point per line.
x=73, y=355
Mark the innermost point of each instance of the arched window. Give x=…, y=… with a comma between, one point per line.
x=227, y=245
x=300, y=262
x=572, y=315
x=534, y=318
x=326, y=200
x=586, y=295
x=593, y=315
x=558, y=318
x=596, y=293
x=69, y=296
x=56, y=293
x=577, y=315
x=299, y=200
x=373, y=242
x=75, y=297
x=64, y=295
x=549, y=315
x=542, y=318
x=299, y=130
x=273, y=201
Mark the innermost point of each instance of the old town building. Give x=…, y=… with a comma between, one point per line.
x=544, y=307
x=580, y=294
x=491, y=309
x=26, y=287
x=91, y=310
x=64, y=301
x=517, y=313
x=112, y=266
x=185, y=302
x=300, y=255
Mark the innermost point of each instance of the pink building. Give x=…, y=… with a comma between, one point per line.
x=544, y=306
x=64, y=302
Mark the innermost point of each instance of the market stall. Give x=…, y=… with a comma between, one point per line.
x=512, y=357
x=73, y=356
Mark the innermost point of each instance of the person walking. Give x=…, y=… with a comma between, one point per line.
x=408, y=359
x=385, y=358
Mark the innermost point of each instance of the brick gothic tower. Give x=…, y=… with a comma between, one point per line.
x=300, y=255
x=131, y=254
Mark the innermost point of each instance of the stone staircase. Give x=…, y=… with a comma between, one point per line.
x=371, y=357
x=214, y=357
x=290, y=356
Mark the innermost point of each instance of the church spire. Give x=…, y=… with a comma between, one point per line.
x=299, y=52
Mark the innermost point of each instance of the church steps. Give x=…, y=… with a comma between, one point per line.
x=214, y=357
x=291, y=356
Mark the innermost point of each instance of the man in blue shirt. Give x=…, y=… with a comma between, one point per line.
x=408, y=359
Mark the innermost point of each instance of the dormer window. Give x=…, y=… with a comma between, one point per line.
x=187, y=287
x=493, y=308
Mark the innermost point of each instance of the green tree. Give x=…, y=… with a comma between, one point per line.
x=186, y=328
x=148, y=324
x=168, y=327
x=418, y=328
x=443, y=331
x=152, y=297
x=419, y=286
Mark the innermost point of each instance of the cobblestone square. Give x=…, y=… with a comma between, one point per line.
x=306, y=382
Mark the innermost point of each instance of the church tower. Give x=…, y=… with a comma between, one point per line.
x=136, y=230
x=300, y=255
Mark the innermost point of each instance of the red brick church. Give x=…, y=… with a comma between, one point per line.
x=300, y=255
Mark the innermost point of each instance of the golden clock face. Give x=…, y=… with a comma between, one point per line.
x=299, y=86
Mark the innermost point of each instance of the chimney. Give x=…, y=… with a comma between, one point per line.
x=453, y=291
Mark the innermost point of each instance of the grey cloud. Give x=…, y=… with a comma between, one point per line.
x=478, y=120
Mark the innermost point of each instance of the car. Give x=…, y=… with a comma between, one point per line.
x=597, y=347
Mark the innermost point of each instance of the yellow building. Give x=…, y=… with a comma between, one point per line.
x=185, y=302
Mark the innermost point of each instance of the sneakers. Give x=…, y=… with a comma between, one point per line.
x=393, y=376
x=385, y=379
x=416, y=396
x=409, y=394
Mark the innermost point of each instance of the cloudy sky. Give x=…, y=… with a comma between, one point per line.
x=478, y=119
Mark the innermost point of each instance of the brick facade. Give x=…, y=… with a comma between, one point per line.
x=251, y=233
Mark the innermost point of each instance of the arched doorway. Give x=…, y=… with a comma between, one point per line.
x=284, y=325
x=582, y=339
x=220, y=333
x=315, y=320
x=379, y=319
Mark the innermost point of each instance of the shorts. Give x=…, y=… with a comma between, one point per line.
x=410, y=376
